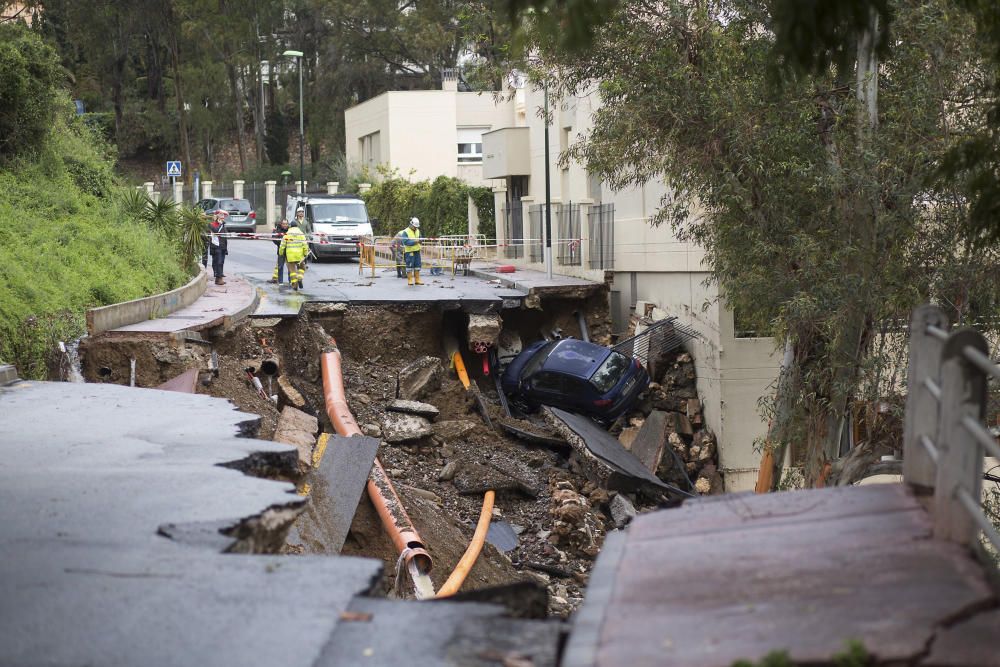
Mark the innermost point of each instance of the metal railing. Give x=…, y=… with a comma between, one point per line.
x=601, y=227
x=536, y=223
x=944, y=434
x=657, y=339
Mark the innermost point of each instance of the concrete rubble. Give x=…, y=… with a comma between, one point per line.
x=399, y=427
x=425, y=410
x=420, y=379
x=298, y=429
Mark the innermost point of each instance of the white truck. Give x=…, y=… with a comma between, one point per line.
x=340, y=221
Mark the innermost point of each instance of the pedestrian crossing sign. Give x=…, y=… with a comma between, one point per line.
x=174, y=168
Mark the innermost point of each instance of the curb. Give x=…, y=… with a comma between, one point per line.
x=123, y=314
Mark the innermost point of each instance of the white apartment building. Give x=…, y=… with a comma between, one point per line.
x=597, y=233
x=424, y=133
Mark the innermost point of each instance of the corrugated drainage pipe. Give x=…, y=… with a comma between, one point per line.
x=383, y=496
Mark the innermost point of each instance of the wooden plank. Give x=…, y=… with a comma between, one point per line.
x=335, y=489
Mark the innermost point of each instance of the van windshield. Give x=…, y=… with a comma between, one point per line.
x=344, y=213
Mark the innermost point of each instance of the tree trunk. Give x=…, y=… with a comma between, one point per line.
x=182, y=128
x=238, y=106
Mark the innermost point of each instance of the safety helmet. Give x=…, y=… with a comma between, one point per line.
x=299, y=210
x=415, y=223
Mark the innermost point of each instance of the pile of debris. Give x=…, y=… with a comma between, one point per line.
x=669, y=434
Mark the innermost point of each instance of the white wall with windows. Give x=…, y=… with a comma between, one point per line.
x=423, y=134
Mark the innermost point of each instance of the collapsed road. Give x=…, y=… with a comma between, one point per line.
x=442, y=447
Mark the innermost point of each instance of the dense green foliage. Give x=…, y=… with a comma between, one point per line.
x=819, y=225
x=183, y=78
x=442, y=205
x=67, y=245
x=29, y=77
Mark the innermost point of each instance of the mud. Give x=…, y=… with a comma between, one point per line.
x=560, y=517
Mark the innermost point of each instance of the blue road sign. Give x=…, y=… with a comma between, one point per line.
x=174, y=168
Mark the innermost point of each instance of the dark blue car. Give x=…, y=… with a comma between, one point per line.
x=576, y=376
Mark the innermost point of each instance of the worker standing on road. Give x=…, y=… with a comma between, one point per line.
x=411, y=251
x=397, y=255
x=216, y=245
x=294, y=247
x=279, y=268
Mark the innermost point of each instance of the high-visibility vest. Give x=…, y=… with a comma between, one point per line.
x=294, y=245
x=415, y=235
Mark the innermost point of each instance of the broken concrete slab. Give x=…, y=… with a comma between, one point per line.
x=425, y=410
x=627, y=436
x=484, y=330
x=602, y=457
x=651, y=440
x=420, y=379
x=336, y=483
x=289, y=394
x=298, y=429
x=129, y=476
x=474, y=478
x=398, y=427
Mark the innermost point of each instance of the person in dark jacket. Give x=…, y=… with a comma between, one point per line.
x=279, y=268
x=215, y=245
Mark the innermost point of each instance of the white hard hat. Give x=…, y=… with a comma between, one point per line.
x=300, y=210
x=415, y=223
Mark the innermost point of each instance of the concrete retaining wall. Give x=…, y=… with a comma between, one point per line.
x=117, y=315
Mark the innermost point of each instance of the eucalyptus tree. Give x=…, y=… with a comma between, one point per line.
x=817, y=208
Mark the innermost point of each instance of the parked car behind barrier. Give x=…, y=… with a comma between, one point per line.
x=240, y=214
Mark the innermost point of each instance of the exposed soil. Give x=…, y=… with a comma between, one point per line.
x=560, y=517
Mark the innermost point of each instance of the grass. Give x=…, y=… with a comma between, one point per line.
x=68, y=246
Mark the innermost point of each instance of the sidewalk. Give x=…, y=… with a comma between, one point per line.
x=220, y=305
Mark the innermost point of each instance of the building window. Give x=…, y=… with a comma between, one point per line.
x=370, y=149
x=470, y=144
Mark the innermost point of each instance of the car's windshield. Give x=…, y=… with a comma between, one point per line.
x=536, y=361
x=338, y=213
x=610, y=372
x=241, y=206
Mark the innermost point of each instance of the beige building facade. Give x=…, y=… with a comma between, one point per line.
x=423, y=134
x=597, y=233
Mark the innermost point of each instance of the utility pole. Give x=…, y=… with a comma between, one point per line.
x=548, y=191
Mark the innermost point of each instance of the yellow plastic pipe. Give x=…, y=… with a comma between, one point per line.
x=461, y=571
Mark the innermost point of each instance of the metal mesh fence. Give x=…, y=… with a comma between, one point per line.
x=656, y=340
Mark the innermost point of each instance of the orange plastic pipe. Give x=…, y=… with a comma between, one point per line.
x=461, y=571
x=383, y=495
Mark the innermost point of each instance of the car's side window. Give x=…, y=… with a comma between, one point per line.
x=553, y=382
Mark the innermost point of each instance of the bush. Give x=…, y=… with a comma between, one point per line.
x=67, y=247
x=30, y=79
x=442, y=205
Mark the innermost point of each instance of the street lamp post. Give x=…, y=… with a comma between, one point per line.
x=302, y=131
x=548, y=191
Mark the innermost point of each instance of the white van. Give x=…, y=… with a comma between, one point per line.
x=341, y=219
